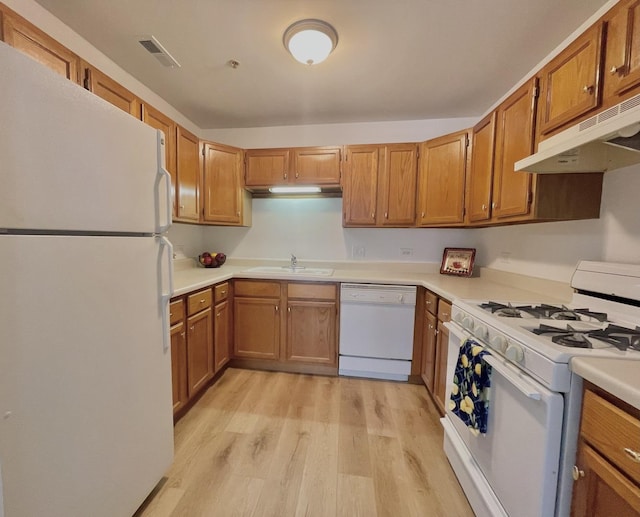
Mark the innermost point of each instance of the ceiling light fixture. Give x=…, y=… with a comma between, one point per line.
x=310, y=41
x=295, y=190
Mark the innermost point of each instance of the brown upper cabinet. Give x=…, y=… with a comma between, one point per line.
x=109, y=90
x=480, y=176
x=25, y=37
x=158, y=120
x=188, y=176
x=514, y=140
x=224, y=199
x=622, y=58
x=295, y=166
x=380, y=185
x=441, y=180
x=571, y=82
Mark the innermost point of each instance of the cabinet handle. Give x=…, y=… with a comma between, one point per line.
x=428, y=302
x=633, y=455
x=192, y=327
x=484, y=208
x=182, y=335
x=217, y=314
x=616, y=69
x=386, y=215
x=170, y=313
x=587, y=89
x=373, y=215
x=202, y=300
x=422, y=215
x=430, y=327
x=494, y=205
x=289, y=309
x=577, y=473
x=284, y=175
x=436, y=331
x=223, y=292
x=297, y=174
x=238, y=213
x=277, y=308
x=182, y=206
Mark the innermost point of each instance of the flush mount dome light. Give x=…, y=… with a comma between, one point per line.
x=310, y=41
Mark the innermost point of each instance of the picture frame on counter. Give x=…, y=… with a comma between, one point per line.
x=458, y=261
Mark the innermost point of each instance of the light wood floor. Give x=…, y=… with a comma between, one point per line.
x=278, y=445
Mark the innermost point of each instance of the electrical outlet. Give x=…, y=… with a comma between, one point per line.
x=505, y=257
x=358, y=251
x=406, y=252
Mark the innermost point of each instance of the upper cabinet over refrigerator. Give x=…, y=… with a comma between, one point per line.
x=99, y=189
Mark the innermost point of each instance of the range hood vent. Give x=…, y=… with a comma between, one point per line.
x=154, y=48
x=607, y=141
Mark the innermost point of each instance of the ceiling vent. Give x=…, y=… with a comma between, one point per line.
x=154, y=47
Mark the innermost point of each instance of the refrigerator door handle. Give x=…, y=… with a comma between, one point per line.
x=163, y=174
x=165, y=297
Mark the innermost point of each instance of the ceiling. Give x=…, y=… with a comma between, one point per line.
x=395, y=60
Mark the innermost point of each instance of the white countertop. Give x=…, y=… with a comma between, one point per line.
x=619, y=377
x=489, y=284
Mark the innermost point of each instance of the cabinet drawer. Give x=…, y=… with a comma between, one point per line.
x=257, y=288
x=221, y=292
x=444, y=311
x=431, y=302
x=613, y=432
x=312, y=291
x=199, y=301
x=176, y=311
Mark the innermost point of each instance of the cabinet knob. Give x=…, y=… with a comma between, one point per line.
x=484, y=207
x=428, y=302
x=297, y=175
x=192, y=327
x=587, y=89
x=277, y=308
x=238, y=213
x=633, y=455
x=182, y=335
x=422, y=215
x=289, y=309
x=373, y=215
x=616, y=70
x=386, y=215
x=223, y=292
x=494, y=205
x=577, y=473
x=182, y=206
x=284, y=175
x=202, y=300
x=170, y=314
x=217, y=314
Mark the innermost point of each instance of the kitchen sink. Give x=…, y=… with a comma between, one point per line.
x=288, y=270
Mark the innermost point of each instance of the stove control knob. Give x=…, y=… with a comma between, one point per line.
x=458, y=317
x=481, y=331
x=468, y=323
x=499, y=343
x=514, y=353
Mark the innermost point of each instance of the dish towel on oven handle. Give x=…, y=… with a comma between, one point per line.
x=471, y=385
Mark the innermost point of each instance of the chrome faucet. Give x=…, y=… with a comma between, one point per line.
x=294, y=261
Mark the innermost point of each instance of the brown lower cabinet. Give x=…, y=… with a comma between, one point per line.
x=200, y=340
x=435, y=346
x=286, y=322
x=607, y=472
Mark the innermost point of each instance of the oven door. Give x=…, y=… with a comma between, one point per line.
x=513, y=468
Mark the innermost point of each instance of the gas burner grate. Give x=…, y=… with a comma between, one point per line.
x=501, y=309
x=543, y=311
x=620, y=337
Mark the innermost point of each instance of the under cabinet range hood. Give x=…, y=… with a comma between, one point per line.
x=607, y=141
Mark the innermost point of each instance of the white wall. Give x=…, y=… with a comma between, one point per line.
x=338, y=134
x=187, y=239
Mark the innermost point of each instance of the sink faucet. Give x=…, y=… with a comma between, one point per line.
x=294, y=260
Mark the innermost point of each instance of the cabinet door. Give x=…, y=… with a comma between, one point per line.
x=360, y=185
x=266, y=167
x=158, y=120
x=514, y=140
x=601, y=490
x=397, y=188
x=109, y=90
x=440, y=381
x=429, y=335
x=622, y=61
x=179, y=366
x=256, y=328
x=221, y=327
x=480, y=176
x=311, y=332
x=441, y=180
x=222, y=184
x=188, y=176
x=199, y=350
x=571, y=82
x=23, y=36
x=317, y=165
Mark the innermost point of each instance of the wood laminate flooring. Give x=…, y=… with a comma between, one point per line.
x=266, y=444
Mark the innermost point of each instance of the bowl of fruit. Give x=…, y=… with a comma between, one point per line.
x=214, y=259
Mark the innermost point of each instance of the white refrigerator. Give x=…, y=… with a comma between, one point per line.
x=86, y=424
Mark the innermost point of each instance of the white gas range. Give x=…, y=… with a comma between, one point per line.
x=522, y=466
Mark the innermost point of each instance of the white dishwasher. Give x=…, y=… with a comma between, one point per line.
x=376, y=330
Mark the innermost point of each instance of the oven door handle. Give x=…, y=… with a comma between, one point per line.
x=521, y=384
